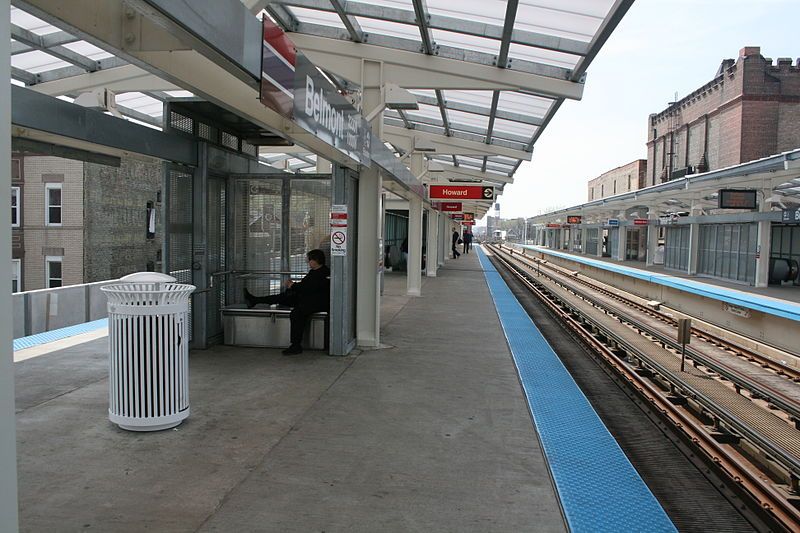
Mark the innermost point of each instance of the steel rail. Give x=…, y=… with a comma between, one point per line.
x=732, y=465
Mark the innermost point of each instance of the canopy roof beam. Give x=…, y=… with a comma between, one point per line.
x=350, y=22
x=450, y=68
x=65, y=54
x=448, y=145
x=441, y=22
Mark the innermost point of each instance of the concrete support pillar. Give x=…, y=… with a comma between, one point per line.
x=414, y=265
x=370, y=225
x=432, y=248
x=694, y=249
x=443, y=236
x=9, y=520
x=652, y=238
x=622, y=243
x=599, y=242
x=764, y=241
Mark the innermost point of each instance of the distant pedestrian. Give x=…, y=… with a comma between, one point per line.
x=467, y=241
x=456, y=241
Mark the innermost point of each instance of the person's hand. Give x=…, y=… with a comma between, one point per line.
x=289, y=283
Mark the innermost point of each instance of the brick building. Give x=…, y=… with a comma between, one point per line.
x=626, y=178
x=751, y=109
x=76, y=222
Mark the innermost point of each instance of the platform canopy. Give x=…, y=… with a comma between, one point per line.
x=488, y=75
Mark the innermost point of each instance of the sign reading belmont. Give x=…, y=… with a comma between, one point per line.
x=460, y=192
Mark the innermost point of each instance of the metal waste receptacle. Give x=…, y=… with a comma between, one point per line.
x=148, y=351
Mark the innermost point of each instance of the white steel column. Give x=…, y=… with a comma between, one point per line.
x=432, y=248
x=443, y=236
x=652, y=238
x=584, y=239
x=622, y=242
x=764, y=242
x=694, y=243
x=8, y=436
x=414, y=264
x=599, y=242
x=370, y=225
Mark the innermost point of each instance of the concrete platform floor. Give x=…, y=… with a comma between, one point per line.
x=431, y=434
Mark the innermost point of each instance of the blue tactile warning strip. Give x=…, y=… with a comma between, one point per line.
x=599, y=489
x=756, y=302
x=58, y=334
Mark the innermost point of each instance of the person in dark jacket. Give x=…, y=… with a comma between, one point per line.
x=310, y=295
x=456, y=238
x=467, y=241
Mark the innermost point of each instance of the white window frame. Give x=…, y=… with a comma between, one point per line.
x=53, y=259
x=16, y=209
x=47, y=188
x=16, y=274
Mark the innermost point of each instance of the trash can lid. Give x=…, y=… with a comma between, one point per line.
x=148, y=277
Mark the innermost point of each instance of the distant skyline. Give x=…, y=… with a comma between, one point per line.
x=661, y=47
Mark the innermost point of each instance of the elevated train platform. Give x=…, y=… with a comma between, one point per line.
x=430, y=433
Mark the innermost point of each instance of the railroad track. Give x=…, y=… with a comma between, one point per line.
x=751, y=441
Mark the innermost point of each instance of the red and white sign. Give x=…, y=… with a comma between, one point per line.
x=640, y=222
x=338, y=230
x=468, y=223
x=469, y=216
x=554, y=225
x=457, y=216
x=460, y=192
x=450, y=206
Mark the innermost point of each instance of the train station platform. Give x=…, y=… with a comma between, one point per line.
x=430, y=433
x=781, y=301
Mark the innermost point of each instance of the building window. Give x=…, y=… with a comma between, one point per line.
x=615, y=187
x=53, y=271
x=602, y=191
x=15, y=207
x=52, y=212
x=591, y=193
x=16, y=279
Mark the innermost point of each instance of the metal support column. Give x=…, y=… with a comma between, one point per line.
x=432, y=248
x=764, y=246
x=199, y=248
x=414, y=264
x=9, y=518
x=652, y=238
x=443, y=239
x=694, y=249
x=370, y=236
x=622, y=243
x=343, y=279
x=584, y=239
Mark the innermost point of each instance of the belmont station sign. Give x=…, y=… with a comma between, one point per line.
x=460, y=192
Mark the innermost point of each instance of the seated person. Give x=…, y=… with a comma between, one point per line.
x=305, y=297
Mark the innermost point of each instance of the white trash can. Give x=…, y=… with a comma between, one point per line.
x=148, y=351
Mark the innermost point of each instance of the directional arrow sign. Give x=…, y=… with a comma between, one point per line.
x=460, y=192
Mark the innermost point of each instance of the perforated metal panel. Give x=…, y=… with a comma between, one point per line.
x=309, y=212
x=229, y=141
x=179, y=228
x=216, y=254
x=180, y=122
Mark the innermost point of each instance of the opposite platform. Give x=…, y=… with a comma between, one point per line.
x=432, y=434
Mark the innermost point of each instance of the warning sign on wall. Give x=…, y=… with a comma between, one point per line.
x=338, y=230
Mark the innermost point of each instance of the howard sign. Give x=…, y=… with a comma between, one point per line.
x=460, y=192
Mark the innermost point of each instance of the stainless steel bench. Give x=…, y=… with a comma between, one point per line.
x=267, y=327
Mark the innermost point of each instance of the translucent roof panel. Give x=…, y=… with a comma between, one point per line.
x=316, y=17
x=539, y=55
x=525, y=104
x=479, y=98
x=37, y=61
x=574, y=19
x=88, y=50
x=429, y=111
x=391, y=29
x=470, y=119
x=141, y=102
x=29, y=22
x=525, y=130
x=468, y=42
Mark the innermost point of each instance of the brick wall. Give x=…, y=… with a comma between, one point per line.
x=619, y=180
x=42, y=240
x=116, y=211
x=751, y=106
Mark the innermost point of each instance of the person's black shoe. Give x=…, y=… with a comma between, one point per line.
x=294, y=349
x=250, y=299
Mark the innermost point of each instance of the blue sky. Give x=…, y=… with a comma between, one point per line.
x=660, y=47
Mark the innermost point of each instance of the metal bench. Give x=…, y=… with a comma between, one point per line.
x=268, y=327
